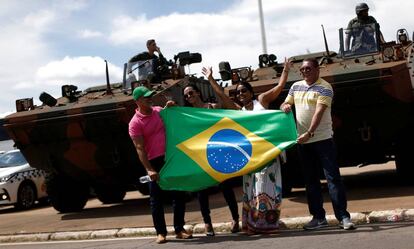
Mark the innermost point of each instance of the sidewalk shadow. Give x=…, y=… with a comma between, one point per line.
x=336, y=230
x=138, y=207
x=11, y=209
x=132, y=207
x=294, y=233
x=367, y=185
x=363, y=186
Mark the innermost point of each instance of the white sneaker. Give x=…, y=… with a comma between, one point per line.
x=346, y=224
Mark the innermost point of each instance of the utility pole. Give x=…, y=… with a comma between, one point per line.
x=262, y=28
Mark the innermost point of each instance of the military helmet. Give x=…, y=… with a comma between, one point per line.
x=361, y=7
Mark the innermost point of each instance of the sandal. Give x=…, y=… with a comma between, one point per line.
x=235, y=228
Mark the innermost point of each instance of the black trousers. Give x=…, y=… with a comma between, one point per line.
x=157, y=205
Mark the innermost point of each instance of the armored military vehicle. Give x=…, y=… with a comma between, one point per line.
x=82, y=138
x=3, y=133
x=373, y=106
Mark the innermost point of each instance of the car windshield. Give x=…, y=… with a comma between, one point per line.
x=11, y=159
x=139, y=70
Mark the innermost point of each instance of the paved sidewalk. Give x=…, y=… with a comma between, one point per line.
x=386, y=216
x=368, y=189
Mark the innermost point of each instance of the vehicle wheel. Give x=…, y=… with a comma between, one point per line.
x=66, y=195
x=403, y=152
x=143, y=189
x=404, y=163
x=292, y=175
x=110, y=195
x=45, y=201
x=189, y=196
x=286, y=185
x=26, y=196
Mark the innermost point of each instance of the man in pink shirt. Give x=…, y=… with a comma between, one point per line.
x=146, y=130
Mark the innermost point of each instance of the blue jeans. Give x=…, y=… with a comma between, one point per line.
x=229, y=196
x=314, y=156
x=157, y=205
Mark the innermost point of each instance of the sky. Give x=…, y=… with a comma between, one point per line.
x=45, y=44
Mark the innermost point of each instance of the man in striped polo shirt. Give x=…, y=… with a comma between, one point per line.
x=312, y=98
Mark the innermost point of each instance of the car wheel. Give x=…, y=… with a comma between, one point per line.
x=110, y=195
x=404, y=163
x=66, y=195
x=403, y=156
x=26, y=196
x=143, y=188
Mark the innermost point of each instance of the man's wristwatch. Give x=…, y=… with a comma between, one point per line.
x=311, y=134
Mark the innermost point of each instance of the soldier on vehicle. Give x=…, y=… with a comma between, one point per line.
x=361, y=30
x=151, y=61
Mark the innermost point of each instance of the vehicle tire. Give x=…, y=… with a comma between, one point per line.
x=26, y=196
x=143, y=188
x=110, y=195
x=66, y=195
x=287, y=184
x=292, y=175
x=189, y=196
x=404, y=163
x=404, y=160
x=45, y=201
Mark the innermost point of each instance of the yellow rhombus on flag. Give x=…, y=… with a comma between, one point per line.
x=206, y=146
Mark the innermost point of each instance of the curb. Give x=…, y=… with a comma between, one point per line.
x=386, y=216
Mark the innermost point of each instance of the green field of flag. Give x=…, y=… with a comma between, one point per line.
x=207, y=146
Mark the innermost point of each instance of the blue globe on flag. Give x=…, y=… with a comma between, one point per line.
x=228, y=151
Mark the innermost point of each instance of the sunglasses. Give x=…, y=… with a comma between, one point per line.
x=189, y=94
x=305, y=69
x=243, y=90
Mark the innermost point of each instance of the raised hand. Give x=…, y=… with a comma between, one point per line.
x=208, y=72
x=287, y=65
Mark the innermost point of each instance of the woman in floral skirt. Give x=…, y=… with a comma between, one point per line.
x=262, y=190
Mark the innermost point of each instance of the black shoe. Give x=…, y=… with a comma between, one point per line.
x=316, y=224
x=235, y=228
x=209, y=229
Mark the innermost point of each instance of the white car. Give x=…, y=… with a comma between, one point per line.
x=20, y=184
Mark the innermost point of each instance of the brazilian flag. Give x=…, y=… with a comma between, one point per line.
x=207, y=146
